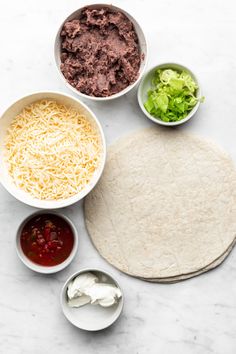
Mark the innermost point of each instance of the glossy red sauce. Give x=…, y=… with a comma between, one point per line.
x=47, y=239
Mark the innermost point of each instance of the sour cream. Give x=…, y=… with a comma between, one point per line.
x=87, y=288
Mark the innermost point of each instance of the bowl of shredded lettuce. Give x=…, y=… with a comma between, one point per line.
x=169, y=94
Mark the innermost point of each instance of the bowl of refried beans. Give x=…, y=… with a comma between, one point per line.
x=100, y=52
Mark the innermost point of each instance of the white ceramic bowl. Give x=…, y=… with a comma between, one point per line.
x=142, y=43
x=145, y=85
x=39, y=268
x=5, y=122
x=92, y=317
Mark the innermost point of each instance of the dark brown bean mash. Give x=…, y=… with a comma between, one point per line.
x=100, y=52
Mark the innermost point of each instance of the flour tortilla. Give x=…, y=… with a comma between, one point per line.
x=165, y=205
x=179, y=278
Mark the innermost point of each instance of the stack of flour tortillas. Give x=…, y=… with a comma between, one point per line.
x=165, y=207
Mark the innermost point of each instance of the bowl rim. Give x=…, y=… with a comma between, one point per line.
x=56, y=204
x=128, y=88
x=37, y=267
x=169, y=65
x=81, y=271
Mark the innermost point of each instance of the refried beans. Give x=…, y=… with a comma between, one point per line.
x=100, y=53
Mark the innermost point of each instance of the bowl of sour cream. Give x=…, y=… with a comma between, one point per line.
x=91, y=299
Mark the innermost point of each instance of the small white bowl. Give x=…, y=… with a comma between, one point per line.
x=37, y=267
x=145, y=85
x=92, y=317
x=5, y=122
x=142, y=43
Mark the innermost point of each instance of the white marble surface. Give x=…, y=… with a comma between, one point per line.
x=197, y=316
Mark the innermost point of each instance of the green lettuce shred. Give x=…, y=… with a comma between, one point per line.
x=172, y=96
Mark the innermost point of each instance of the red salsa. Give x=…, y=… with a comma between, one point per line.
x=47, y=239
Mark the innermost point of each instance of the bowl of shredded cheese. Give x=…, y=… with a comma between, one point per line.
x=52, y=150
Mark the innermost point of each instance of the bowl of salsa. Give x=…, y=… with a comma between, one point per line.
x=46, y=242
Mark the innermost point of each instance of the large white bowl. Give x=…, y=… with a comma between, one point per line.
x=142, y=44
x=5, y=122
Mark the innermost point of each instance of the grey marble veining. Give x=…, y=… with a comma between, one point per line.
x=197, y=316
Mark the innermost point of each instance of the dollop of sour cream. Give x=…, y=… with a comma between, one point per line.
x=87, y=288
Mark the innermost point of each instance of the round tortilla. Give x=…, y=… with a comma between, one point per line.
x=165, y=205
x=216, y=263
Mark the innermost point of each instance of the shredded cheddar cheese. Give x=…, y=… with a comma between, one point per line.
x=52, y=150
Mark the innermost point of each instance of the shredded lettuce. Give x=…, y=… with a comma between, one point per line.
x=172, y=96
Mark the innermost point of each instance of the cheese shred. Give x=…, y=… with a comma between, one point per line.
x=52, y=151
